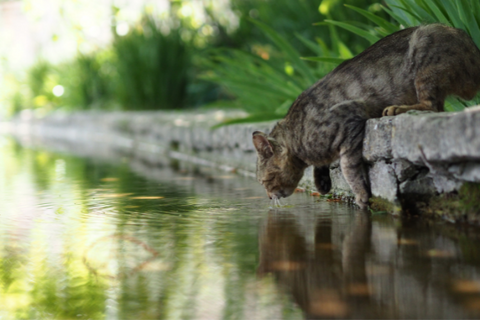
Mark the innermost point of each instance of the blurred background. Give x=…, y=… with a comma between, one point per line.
x=253, y=55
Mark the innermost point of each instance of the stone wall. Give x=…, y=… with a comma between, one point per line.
x=411, y=156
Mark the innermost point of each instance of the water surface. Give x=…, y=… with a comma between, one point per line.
x=83, y=238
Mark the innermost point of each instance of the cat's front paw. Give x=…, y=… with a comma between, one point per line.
x=362, y=201
x=392, y=111
x=395, y=110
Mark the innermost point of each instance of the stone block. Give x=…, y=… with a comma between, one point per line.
x=420, y=186
x=383, y=181
x=404, y=169
x=339, y=184
x=378, y=137
x=445, y=184
x=469, y=171
x=437, y=137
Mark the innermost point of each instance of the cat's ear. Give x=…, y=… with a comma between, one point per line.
x=263, y=146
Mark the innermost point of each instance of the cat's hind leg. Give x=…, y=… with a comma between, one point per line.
x=431, y=87
x=321, y=176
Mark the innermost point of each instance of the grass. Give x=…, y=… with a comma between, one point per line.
x=264, y=87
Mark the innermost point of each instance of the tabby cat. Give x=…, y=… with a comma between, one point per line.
x=415, y=68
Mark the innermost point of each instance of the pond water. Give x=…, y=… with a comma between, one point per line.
x=83, y=238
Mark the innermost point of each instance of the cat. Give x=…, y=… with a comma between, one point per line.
x=412, y=69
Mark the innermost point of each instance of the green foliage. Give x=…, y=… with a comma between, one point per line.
x=291, y=18
x=41, y=78
x=284, y=16
x=38, y=76
x=91, y=80
x=275, y=54
x=153, y=67
x=88, y=81
x=265, y=88
x=85, y=81
x=145, y=69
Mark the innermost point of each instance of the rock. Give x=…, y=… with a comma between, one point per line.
x=469, y=171
x=378, y=137
x=339, y=184
x=441, y=137
x=383, y=181
x=445, y=184
x=404, y=169
x=420, y=186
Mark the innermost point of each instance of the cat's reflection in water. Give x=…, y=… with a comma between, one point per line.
x=324, y=271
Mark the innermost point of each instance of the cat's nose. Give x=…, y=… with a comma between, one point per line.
x=276, y=195
x=284, y=193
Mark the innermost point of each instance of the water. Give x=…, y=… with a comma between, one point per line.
x=84, y=238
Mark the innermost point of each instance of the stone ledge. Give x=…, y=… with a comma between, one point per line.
x=420, y=154
x=424, y=153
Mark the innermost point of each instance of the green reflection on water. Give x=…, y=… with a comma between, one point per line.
x=85, y=240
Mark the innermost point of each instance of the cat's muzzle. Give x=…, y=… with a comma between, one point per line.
x=279, y=194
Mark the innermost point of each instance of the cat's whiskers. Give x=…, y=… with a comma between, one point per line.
x=276, y=201
x=279, y=204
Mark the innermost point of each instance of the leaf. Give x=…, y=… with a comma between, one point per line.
x=315, y=47
x=409, y=13
x=322, y=45
x=382, y=32
x=453, y=104
x=344, y=51
x=362, y=33
x=438, y=13
x=420, y=12
x=247, y=68
x=453, y=14
x=325, y=59
x=389, y=27
x=467, y=17
x=395, y=16
x=255, y=117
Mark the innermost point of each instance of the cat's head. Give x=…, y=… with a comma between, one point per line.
x=277, y=170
